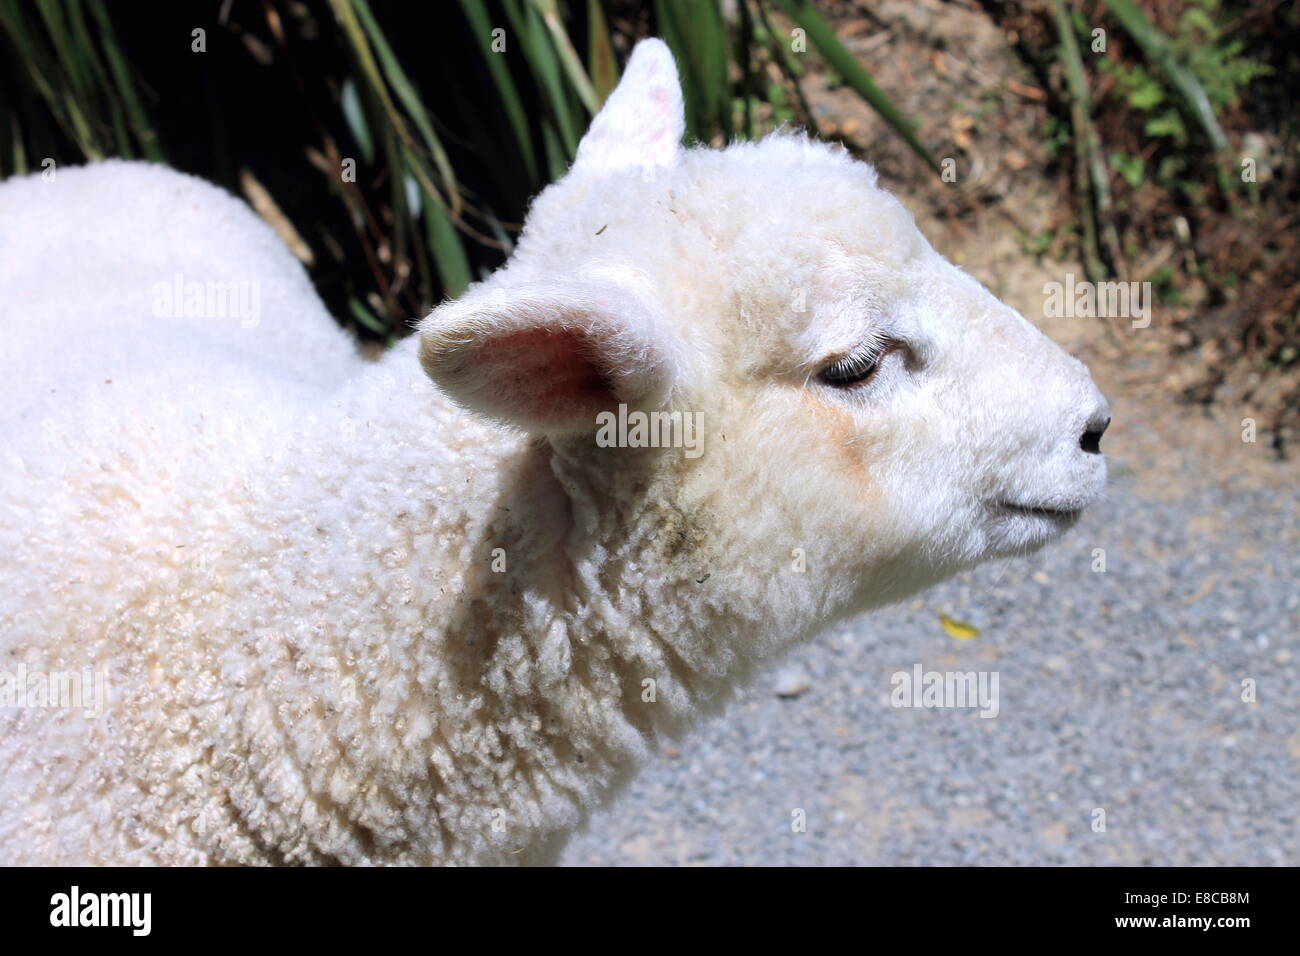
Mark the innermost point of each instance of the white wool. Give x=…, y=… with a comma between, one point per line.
x=345, y=619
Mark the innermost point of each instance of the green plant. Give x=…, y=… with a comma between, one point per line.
x=400, y=143
x=1132, y=168
x=1200, y=63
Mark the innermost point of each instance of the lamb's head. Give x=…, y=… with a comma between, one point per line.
x=865, y=406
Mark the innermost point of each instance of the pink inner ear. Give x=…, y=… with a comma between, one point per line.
x=547, y=375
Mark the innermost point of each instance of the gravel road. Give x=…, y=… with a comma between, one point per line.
x=1119, y=691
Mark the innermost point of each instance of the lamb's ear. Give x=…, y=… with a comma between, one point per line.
x=548, y=357
x=642, y=122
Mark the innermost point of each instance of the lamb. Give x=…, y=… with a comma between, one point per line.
x=346, y=616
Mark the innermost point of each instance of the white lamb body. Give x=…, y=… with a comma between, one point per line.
x=345, y=619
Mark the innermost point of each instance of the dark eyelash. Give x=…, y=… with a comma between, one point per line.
x=857, y=366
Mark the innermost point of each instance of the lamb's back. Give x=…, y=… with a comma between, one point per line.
x=85, y=259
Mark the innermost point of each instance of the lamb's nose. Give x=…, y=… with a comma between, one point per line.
x=1091, y=440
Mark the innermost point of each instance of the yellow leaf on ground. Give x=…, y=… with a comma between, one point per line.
x=958, y=629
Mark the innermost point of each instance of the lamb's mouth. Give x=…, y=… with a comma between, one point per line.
x=1062, y=516
x=1023, y=529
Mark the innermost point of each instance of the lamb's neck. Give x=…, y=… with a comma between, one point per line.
x=591, y=553
x=664, y=584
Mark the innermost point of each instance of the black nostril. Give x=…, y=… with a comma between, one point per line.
x=1091, y=440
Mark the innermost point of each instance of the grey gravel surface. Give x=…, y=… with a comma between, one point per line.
x=1119, y=691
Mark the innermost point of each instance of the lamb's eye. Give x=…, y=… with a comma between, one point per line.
x=854, y=368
